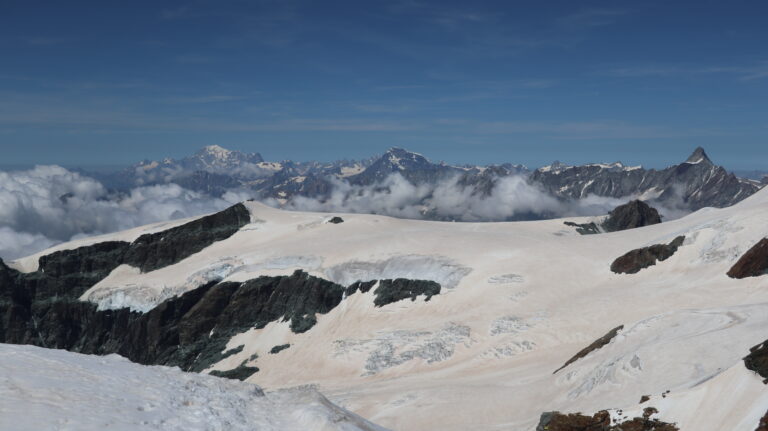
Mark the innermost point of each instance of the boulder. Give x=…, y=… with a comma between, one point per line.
x=635, y=260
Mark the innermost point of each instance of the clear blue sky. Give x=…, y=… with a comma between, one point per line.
x=109, y=82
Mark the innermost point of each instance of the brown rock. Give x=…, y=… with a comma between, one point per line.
x=753, y=263
x=640, y=258
x=601, y=421
x=600, y=342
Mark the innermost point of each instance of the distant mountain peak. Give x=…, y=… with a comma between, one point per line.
x=698, y=156
x=401, y=152
x=214, y=149
x=404, y=159
x=218, y=156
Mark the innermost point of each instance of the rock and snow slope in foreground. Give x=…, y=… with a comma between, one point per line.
x=517, y=300
x=45, y=389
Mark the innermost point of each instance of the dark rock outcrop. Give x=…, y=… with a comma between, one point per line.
x=757, y=360
x=584, y=228
x=601, y=421
x=753, y=263
x=242, y=372
x=362, y=286
x=631, y=215
x=189, y=331
x=390, y=291
x=635, y=260
x=278, y=349
x=71, y=272
x=156, y=250
x=628, y=216
x=600, y=342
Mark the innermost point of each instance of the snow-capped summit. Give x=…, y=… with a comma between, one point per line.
x=412, y=166
x=554, y=167
x=214, y=156
x=698, y=156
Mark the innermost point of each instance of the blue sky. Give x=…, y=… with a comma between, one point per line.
x=482, y=82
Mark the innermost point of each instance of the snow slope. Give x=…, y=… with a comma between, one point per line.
x=518, y=300
x=44, y=389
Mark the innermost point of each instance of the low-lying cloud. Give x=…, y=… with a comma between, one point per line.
x=510, y=198
x=49, y=204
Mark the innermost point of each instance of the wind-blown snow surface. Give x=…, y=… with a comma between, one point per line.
x=518, y=300
x=42, y=389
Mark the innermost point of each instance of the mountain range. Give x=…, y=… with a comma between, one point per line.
x=688, y=186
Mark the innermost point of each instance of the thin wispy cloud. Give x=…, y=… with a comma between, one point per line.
x=590, y=18
x=742, y=72
x=47, y=41
x=601, y=129
x=193, y=59
x=197, y=100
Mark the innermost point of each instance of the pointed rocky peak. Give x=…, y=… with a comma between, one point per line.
x=698, y=156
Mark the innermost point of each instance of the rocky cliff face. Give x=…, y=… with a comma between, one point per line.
x=156, y=250
x=189, y=331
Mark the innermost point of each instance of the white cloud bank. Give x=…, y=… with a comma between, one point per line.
x=510, y=198
x=49, y=204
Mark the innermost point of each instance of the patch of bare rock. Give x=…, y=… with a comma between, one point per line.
x=635, y=260
x=757, y=360
x=753, y=263
x=600, y=342
x=601, y=421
